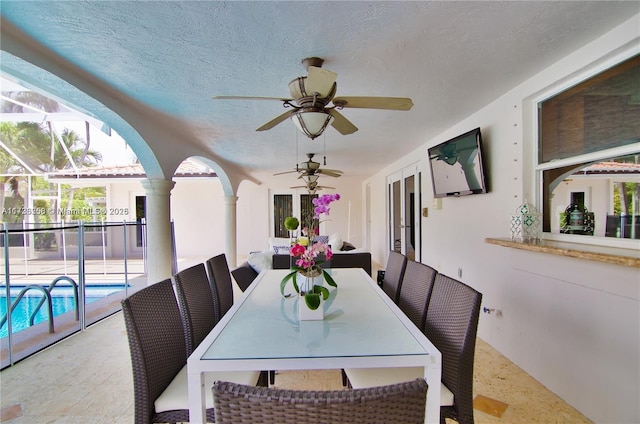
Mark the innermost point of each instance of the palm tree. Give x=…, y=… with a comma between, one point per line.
x=42, y=150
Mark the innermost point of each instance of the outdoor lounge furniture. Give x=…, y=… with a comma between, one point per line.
x=338, y=260
x=402, y=403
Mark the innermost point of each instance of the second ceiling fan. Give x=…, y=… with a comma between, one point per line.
x=314, y=105
x=311, y=168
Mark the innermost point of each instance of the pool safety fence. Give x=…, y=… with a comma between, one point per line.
x=41, y=258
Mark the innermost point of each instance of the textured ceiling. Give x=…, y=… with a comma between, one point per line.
x=450, y=57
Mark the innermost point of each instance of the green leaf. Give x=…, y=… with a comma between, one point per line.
x=295, y=282
x=285, y=280
x=329, y=279
x=321, y=290
x=312, y=300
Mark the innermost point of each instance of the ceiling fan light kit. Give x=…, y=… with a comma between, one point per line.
x=310, y=178
x=311, y=121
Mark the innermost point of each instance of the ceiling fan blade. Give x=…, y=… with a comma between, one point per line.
x=337, y=171
x=389, y=103
x=321, y=187
x=275, y=121
x=320, y=80
x=342, y=124
x=330, y=172
x=282, y=99
x=285, y=172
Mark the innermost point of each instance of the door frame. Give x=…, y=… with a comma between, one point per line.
x=399, y=213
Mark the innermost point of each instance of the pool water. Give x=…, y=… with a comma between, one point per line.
x=62, y=301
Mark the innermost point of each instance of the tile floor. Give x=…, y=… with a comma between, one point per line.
x=86, y=378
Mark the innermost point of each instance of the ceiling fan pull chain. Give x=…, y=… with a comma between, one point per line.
x=297, y=156
x=324, y=138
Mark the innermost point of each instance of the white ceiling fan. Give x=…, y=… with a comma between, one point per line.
x=314, y=105
x=310, y=170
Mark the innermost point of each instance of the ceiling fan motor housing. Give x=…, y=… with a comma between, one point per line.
x=300, y=93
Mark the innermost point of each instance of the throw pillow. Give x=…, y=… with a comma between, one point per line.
x=321, y=239
x=281, y=250
x=260, y=261
x=335, y=242
x=346, y=246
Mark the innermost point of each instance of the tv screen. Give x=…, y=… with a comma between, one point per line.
x=457, y=167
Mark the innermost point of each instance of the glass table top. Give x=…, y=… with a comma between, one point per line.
x=357, y=322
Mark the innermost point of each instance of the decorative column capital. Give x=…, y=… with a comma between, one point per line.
x=158, y=187
x=230, y=200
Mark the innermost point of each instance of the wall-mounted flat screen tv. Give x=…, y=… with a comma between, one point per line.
x=457, y=166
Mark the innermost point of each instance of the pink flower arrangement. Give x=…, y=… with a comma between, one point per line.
x=307, y=261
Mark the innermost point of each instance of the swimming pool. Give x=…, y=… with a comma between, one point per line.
x=61, y=298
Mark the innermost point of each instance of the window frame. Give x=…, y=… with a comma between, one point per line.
x=533, y=174
x=296, y=195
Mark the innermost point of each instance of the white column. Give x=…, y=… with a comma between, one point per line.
x=230, y=234
x=158, y=217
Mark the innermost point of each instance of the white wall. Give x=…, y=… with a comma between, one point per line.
x=197, y=210
x=253, y=211
x=572, y=324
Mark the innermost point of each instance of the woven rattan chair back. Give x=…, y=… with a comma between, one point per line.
x=220, y=277
x=157, y=347
x=451, y=325
x=415, y=291
x=399, y=403
x=197, y=304
x=393, y=274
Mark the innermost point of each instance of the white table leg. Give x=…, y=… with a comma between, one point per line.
x=432, y=373
x=195, y=383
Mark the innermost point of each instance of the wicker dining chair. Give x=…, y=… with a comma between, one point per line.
x=403, y=403
x=415, y=291
x=158, y=353
x=451, y=325
x=220, y=277
x=393, y=274
x=197, y=302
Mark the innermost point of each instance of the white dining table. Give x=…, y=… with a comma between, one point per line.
x=362, y=328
